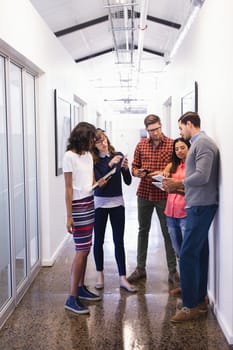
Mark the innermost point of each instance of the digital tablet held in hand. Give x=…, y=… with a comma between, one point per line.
x=105, y=177
x=158, y=177
x=110, y=173
x=158, y=184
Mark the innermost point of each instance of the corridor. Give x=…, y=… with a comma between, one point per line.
x=121, y=320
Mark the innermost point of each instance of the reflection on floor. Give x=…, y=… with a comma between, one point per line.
x=121, y=320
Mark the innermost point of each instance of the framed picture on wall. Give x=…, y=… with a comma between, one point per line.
x=62, y=109
x=189, y=102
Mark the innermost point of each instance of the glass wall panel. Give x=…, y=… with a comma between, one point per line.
x=5, y=260
x=17, y=172
x=19, y=232
x=31, y=168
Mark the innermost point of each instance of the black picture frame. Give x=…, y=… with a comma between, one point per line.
x=62, y=112
x=189, y=102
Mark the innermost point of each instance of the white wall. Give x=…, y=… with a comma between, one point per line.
x=206, y=56
x=27, y=38
x=126, y=133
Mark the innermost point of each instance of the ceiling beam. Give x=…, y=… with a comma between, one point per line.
x=157, y=53
x=81, y=26
x=105, y=18
x=93, y=55
x=160, y=21
x=153, y=52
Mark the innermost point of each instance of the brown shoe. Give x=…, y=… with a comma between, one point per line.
x=186, y=314
x=174, y=278
x=203, y=307
x=138, y=274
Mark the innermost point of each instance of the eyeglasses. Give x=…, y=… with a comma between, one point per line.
x=153, y=130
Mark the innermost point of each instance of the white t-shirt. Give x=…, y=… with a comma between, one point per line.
x=81, y=167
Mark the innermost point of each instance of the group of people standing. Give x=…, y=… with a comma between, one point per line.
x=185, y=206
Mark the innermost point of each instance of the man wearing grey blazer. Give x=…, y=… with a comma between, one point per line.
x=201, y=195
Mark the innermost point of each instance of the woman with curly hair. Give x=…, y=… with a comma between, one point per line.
x=79, y=178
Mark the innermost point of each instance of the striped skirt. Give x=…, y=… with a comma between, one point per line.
x=83, y=218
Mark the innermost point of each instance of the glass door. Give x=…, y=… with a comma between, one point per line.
x=17, y=172
x=19, y=234
x=31, y=169
x=5, y=251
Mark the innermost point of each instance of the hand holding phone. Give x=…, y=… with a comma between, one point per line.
x=125, y=163
x=142, y=172
x=115, y=160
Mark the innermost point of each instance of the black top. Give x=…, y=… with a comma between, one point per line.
x=114, y=186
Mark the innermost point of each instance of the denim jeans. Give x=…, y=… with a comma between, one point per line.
x=194, y=254
x=117, y=220
x=145, y=211
x=176, y=227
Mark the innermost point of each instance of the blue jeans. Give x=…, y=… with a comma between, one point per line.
x=176, y=227
x=117, y=220
x=194, y=254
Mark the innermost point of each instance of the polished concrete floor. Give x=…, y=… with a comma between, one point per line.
x=121, y=320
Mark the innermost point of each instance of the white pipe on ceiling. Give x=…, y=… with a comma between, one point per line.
x=126, y=26
x=141, y=30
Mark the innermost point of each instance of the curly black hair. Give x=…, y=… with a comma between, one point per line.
x=81, y=137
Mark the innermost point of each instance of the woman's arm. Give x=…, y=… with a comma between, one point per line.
x=167, y=170
x=68, y=198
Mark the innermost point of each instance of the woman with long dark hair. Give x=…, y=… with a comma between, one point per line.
x=175, y=207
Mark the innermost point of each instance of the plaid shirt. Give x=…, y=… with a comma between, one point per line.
x=147, y=156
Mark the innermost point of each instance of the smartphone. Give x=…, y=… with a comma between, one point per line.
x=144, y=171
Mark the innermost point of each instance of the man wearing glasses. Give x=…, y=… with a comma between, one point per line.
x=150, y=158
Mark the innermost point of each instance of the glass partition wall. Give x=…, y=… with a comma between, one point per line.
x=19, y=234
x=5, y=247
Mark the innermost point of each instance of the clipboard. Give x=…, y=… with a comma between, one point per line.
x=110, y=173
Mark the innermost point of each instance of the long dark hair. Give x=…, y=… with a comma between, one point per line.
x=81, y=137
x=175, y=160
x=99, y=135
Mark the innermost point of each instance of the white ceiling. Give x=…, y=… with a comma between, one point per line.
x=84, y=29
